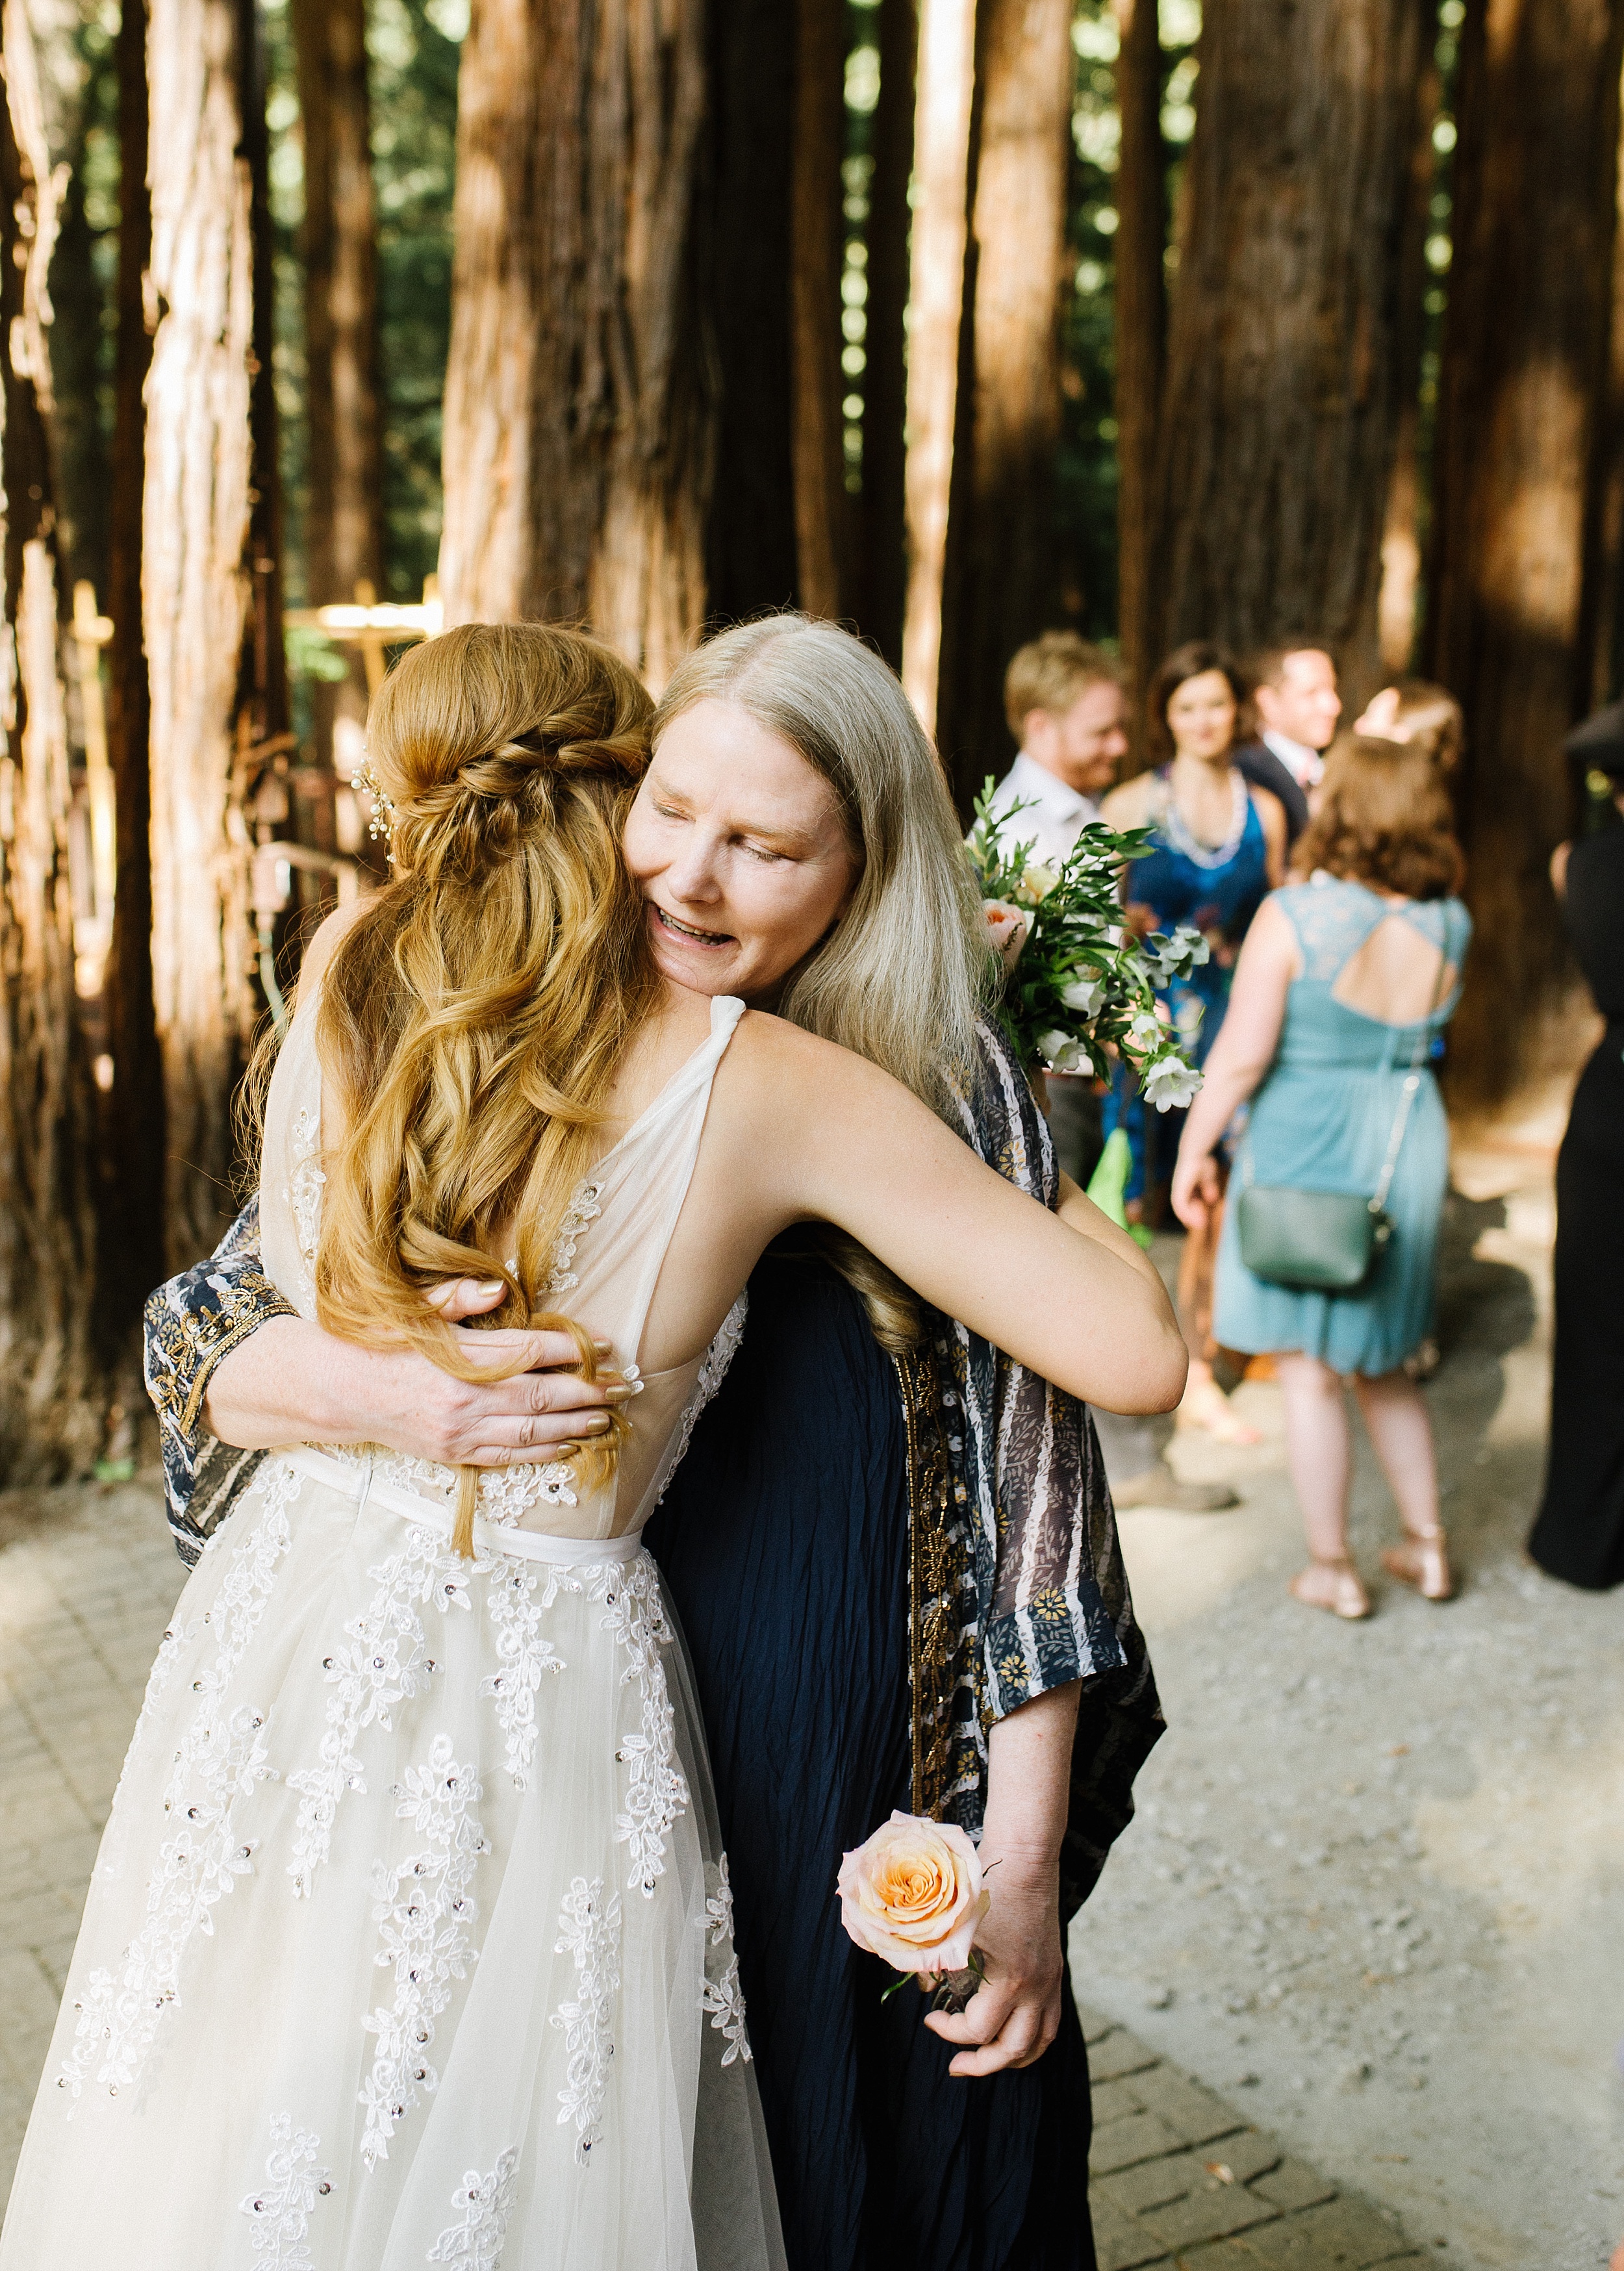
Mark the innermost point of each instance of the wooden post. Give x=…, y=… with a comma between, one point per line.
x=941, y=158
x=195, y=583
x=1520, y=391
x=49, y=1390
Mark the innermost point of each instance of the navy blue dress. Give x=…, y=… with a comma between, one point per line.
x=783, y=1546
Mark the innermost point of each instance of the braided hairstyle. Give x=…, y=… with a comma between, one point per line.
x=473, y=1015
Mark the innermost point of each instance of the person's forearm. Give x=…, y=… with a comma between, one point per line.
x=291, y=1383
x=1224, y=1089
x=1029, y=1782
x=1078, y=1213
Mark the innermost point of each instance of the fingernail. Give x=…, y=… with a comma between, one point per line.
x=492, y=1286
x=605, y=1345
x=617, y=1395
x=596, y=1424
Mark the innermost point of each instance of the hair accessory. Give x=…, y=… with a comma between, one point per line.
x=380, y=822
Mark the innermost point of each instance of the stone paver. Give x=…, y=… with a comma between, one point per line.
x=1177, y=2177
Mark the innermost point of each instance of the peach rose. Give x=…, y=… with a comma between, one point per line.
x=912, y=1893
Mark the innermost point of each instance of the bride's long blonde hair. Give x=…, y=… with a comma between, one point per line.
x=472, y=1018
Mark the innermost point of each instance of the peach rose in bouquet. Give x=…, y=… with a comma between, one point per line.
x=912, y=1893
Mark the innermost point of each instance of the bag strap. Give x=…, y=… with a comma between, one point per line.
x=1412, y=1081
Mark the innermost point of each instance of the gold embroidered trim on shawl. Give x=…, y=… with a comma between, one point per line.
x=937, y=1568
x=192, y=1344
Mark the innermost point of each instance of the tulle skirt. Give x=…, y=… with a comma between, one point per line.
x=410, y=1938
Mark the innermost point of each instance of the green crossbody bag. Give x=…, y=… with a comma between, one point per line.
x=1324, y=1242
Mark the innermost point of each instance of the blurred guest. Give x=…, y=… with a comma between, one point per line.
x=1415, y=709
x=1063, y=699
x=1218, y=845
x=1296, y=705
x=1579, y=1532
x=1342, y=987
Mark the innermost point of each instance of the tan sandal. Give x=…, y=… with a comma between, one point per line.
x=1423, y=1562
x=1333, y=1585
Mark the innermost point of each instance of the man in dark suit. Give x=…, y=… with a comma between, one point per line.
x=1296, y=706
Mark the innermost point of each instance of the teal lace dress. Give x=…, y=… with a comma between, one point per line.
x=1321, y=1121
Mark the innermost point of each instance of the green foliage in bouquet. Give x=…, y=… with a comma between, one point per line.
x=1084, y=985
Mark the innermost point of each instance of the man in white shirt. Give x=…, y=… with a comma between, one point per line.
x=1064, y=702
x=1296, y=707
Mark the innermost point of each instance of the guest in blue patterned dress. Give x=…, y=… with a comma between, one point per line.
x=1341, y=990
x=1218, y=845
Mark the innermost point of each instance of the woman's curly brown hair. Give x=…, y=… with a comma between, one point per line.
x=1383, y=817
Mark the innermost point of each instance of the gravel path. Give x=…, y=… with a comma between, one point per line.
x=1376, y=1891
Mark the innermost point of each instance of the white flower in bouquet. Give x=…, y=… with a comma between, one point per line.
x=1037, y=881
x=1147, y=1030
x=1064, y=1054
x=1170, y=958
x=1083, y=995
x=1170, y=1083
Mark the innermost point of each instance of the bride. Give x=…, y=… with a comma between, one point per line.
x=410, y=1917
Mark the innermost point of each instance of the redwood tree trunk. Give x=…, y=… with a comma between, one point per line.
x=1001, y=546
x=1281, y=395
x=133, y=1252
x=49, y=1401
x=879, y=576
x=1401, y=550
x=816, y=256
x=578, y=426
x=1140, y=331
x=195, y=593
x=344, y=518
x=1523, y=380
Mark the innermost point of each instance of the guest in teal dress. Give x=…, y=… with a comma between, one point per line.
x=1218, y=845
x=1342, y=988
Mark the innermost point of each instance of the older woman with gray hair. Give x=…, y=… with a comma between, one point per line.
x=892, y=1549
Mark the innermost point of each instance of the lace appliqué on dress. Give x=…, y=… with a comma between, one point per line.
x=514, y=1604
x=582, y=1209
x=487, y=2203
x=221, y=1758
x=723, y=1998
x=386, y=1662
x=656, y=1791
x=303, y=1194
x=424, y=1907
x=589, y=1930
x=282, y=2208
x=713, y=1371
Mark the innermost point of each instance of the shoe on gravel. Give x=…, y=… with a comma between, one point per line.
x=1158, y=1486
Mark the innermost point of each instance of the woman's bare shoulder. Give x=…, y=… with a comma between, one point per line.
x=1132, y=804
x=325, y=940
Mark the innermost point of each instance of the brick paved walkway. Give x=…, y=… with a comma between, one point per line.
x=1177, y=2178
x=88, y=1581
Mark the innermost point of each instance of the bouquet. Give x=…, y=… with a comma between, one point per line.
x=1079, y=984
x=912, y=1893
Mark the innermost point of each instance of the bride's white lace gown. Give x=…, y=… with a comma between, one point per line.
x=409, y=1941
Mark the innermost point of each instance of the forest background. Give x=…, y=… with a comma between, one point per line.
x=326, y=322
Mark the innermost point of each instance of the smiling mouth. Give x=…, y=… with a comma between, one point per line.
x=686, y=930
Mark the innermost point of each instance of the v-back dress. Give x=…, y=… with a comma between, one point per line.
x=1322, y=1121
x=410, y=1938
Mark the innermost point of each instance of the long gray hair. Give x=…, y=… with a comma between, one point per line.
x=903, y=975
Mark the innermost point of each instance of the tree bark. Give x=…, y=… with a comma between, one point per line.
x=943, y=102
x=343, y=517
x=1282, y=396
x=578, y=420
x=49, y=1393
x=195, y=585
x=1141, y=333
x=823, y=512
x=881, y=574
x=1605, y=579
x=132, y=1243
x=1522, y=387
x=1401, y=547
x=1000, y=540
x=745, y=286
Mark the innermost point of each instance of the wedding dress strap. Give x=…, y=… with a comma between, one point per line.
x=358, y=1481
